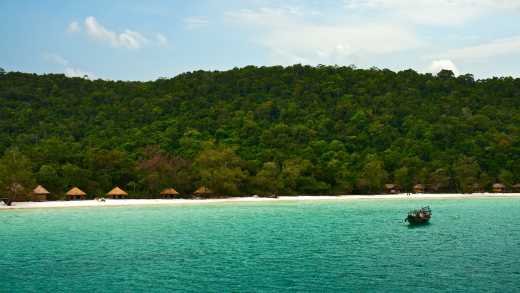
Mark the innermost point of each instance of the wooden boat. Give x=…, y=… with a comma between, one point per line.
x=420, y=216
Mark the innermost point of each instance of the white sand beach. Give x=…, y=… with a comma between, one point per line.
x=148, y=202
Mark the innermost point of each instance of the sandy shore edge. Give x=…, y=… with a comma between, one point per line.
x=145, y=202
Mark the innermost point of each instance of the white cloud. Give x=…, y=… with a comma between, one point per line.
x=486, y=50
x=291, y=38
x=129, y=39
x=195, y=22
x=73, y=27
x=68, y=69
x=55, y=58
x=434, y=12
x=161, y=39
x=437, y=65
x=75, y=72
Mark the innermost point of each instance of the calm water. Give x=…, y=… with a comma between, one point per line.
x=328, y=246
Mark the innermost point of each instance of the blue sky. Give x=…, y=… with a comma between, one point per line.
x=145, y=40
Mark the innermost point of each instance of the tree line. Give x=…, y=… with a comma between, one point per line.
x=260, y=130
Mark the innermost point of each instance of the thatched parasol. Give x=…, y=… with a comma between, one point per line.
x=169, y=191
x=40, y=190
x=391, y=188
x=203, y=190
x=499, y=187
x=76, y=193
x=516, y=187
x=418, y=187
x=117, y=192
x=39, y=193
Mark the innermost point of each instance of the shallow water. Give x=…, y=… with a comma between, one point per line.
x=333, y=246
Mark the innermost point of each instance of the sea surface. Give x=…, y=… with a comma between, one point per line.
x=471, y=245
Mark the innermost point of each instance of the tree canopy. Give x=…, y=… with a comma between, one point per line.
x=287, y=130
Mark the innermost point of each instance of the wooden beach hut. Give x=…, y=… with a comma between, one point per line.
x=392, y=188
x=169, y=193
x=475, y=188
x=203, y=191
x=418, y=188
x=516, y=187
x=117, y=193
x=39, y=193
x=76, y=193
x=499, y=188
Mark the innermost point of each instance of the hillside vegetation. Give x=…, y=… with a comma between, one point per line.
x=284, y=130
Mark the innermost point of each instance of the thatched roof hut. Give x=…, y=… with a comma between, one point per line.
x=475, y=187
x=499, y=188
x=40, y=190
x=392, y=188
x=169, y=193
x=76, y=193
x=117, y=193
x=418, y=188
x=39, y=193
x=202, y=191
x=516, y=187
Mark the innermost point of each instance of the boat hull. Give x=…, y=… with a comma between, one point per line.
x=417, y=220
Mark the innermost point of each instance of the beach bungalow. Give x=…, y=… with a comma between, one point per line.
x=475, y=188
x=499, y=188
x=392, y=188
x=203, y=190
x=76, y=193
x=418, y=188
x=39, y=193
x=117, y=193
x=516, y=187
x=169, y=193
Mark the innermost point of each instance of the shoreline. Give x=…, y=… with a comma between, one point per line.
x=180, y=202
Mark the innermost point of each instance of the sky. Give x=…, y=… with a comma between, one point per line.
x=146, y=40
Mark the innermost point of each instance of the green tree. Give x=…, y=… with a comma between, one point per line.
x=292, y=172
x=16, y=176
x=48, y=177
x=466, y=173
x=439, y=180
x=220, y=169
x=403, y=178
x=372, y=177
x=160, y=170
x=318, y=124
x=266, y=180
x=74, y=175
x=506, y=177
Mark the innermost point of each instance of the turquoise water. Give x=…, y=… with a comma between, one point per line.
x=326, y=246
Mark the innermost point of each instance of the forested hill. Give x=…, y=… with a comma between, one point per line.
x=293, y=130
